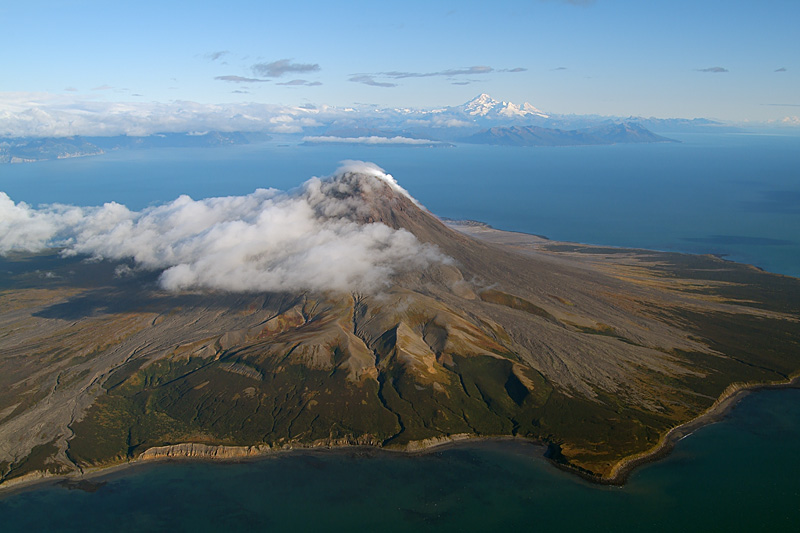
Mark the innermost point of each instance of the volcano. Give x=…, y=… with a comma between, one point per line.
x=604, y=354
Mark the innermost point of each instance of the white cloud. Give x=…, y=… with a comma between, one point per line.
x=23, y=228
x=372, y=139
x=278, y=68
x=46, y=115
x=266, y=241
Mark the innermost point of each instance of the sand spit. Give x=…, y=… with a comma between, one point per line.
x=718, y=410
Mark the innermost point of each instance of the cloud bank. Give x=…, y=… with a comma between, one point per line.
x=372, y=139
x=269, y=240
x=46, y=115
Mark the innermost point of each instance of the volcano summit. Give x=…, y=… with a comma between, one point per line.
x=345, y=313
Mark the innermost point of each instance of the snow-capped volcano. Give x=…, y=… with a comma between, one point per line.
x=484, y=105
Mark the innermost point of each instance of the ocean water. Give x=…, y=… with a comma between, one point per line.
x=736, y=475
x=734, y=195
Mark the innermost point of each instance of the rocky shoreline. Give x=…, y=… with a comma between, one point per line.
x=206, y=452
x=209, y=452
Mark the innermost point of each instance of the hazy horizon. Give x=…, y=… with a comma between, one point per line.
x=734, y=62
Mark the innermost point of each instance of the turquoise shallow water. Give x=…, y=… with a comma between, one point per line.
x=737, y=195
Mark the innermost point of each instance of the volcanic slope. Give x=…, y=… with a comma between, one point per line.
x=598, y=352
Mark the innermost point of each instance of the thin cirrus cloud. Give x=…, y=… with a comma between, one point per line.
x=713, y=70
x=265, y=241
x=366, y=79
x=782, y=69
x=276, y=69
x=301, y=83
x=374, y=79
x=468, y=71
x=239, y=79
x=213, y=56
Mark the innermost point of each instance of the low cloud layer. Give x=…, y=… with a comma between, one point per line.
x=269, y=240
x=372, y=139
x=44, y=115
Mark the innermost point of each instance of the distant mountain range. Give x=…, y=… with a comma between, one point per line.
x=485, y=106
x=482, y=120
x=624, y=133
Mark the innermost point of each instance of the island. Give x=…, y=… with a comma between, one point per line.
x=602, y=134
x=606, y=355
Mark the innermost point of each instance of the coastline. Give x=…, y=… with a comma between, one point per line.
x=716, y=412
x=197, y=452
x=237, y=454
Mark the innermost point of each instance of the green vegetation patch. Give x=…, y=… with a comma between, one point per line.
x=765, y=349
x=602, y=427
x=199, y=400
x=41, y=459
x=483, y=397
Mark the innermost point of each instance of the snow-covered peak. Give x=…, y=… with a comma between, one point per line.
x=484, y=105
x=509, y=109
x=481, y=105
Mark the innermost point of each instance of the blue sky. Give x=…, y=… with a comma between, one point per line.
x=733, y=60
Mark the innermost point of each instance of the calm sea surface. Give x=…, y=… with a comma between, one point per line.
x=737, y=195
x=725, y=194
